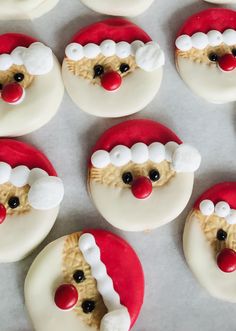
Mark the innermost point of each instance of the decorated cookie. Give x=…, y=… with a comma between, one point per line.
x=136, y=169
x=221, y=1
x=95, y=282
x=119, y=7
x=23, y=9
x=206, y=54
x=31, y=88
x=112, y=68
x=209, y=240
x=30, y=194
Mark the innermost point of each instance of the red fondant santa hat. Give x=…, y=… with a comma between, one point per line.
x=116, y=37
x=119, y=276
x=22, y=164
x=20, y=49
x=210, y=27
x=142, y=140
x=219, y=200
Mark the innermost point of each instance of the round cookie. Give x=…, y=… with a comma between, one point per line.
x=112, y=68
x=30, y=194
x=95, y=282
x=136, y=169
x=206, y=54
x=119, y=7
x=209, y=240
x=31, y=87
x=26, y=9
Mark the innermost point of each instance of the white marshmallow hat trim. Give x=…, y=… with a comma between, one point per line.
x=221, y=209
x=117, y=318
x=46, y=192
x=149, y=56
x=184, y=158
x=200, y=40
x=37, y=59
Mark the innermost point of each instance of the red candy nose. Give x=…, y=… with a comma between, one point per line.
x=66, y=296
x=12, y=93
x=3, y=213
x=141, y=187
x=111, y=81
x=227, y=62
x=226, y=260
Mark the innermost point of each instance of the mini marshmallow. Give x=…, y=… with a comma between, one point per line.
x=91, y=51
x=221, y=209
x=108, y=48
x=231, y=218
x=19, y=176
x=215, y=38
x=140, y=153
x=199, y=40
x=184, y=43
x=120, y=155
x=36, y=174
x=74, y=52
x=123, y=49
x=100, y=159
x=135, y=45
x=5, y=172
x=157, y=152
x=170, y=148
x=186, y=159
x=5, y=62
x=17, y=55
x=207, y=207
x=229, y=37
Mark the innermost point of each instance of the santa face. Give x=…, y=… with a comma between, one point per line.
x=119, y=7
x=12, y=9
x=29, y=98
x=69, y=295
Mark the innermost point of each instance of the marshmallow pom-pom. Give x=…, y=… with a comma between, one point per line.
x=5, y=62
x=116, y=320
x=139, y=153
x=38, y=59
x=186, y=159
x=46, y=193
x=157, y=152
x=100, y=159
x=36, y=174
x=150, y=57
x=231, y=218
x=184, y=43
x=170, y=148
x=5, y=172
x=120, y=155
x=123, y=49
x=229, y=37
x=207, y=207
x=74, y=51
x=17, y=55
x=108, y=48
x=199, y=40
x=19, y=176
x=222, y=209
x=91, y=51
x=215, y=38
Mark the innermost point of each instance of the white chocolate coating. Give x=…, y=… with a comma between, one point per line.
x=120, y=208
x=208, y=82
x=119, y=7
x=20, y=234
x=40, y=285
x=221, y=1
x=42, y=100
x=137, y=90
x=202, y=261
x=25, y=9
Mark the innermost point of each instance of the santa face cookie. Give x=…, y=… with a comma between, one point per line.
x=95, y=282
x=31, y=87
x=137, y=169
x=30, y=194
x=18, y=9
x=119, y=7
x=209, y=240
x=206, y=54
x=112, y=68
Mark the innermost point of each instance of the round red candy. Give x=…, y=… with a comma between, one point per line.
x=12, y=93
x=141, y=188
x=111, y=81
x=66, y=296
x=226, y=260
x=3, y=213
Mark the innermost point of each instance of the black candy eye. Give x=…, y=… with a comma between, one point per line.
x=1, y=87
x=154, y=175
x=79, y=276
x=124, y=67
x=19, y=77
x=234, y=52
x=213, y=57
x=221, y=235
x=88, y=306
x=127, y=177
x=98, y=70
x=14, y=202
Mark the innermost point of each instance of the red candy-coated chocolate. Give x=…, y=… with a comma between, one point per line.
x=66, y=296
x=111, y=81
x=12, y=93
x=141, y=187
x=226, y=260
x=3, y=213
x=227, y=62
